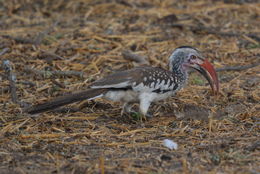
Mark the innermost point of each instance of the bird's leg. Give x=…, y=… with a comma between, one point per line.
x=126, y=108
x=144, y=106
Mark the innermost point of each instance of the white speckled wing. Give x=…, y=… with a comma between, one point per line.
x=140, y=79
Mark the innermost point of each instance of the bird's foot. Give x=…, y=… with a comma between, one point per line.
x=149, y=115
x=139, y=116
x=135, y=115
x=127, y=109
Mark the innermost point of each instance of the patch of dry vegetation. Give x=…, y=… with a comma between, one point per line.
x=55, y=47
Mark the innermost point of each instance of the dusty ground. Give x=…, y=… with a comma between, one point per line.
x=215, y=134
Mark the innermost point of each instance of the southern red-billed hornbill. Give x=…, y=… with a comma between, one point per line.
x=142, y=84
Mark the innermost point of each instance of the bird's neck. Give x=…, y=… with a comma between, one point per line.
x=180, y=74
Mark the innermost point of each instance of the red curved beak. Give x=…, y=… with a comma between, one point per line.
x=209, y=72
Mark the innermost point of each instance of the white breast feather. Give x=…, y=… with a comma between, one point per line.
x=142, y=87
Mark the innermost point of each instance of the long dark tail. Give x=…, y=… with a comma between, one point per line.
x=64, y=100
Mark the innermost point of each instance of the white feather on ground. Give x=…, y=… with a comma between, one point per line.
x=170, y=144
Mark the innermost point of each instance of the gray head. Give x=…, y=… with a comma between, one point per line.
x=185, y=58
x=182, y=55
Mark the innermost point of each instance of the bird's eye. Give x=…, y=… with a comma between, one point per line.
x=193, y=57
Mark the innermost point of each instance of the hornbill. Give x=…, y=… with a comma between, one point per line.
x=142, y=84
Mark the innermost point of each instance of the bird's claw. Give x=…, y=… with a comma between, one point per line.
x=149, y=115
x=140, y=116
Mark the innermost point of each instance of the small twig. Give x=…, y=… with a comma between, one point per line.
x=50, y=55
x=140, y=60
x=54, y=73
x=12, y=79
x=58, y=83
x=5, y=50
x=31, y=84
x=237, y=68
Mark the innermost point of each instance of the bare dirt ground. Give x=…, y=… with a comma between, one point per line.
x=57, y=47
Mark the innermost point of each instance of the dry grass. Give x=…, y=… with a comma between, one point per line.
x=215, y=134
